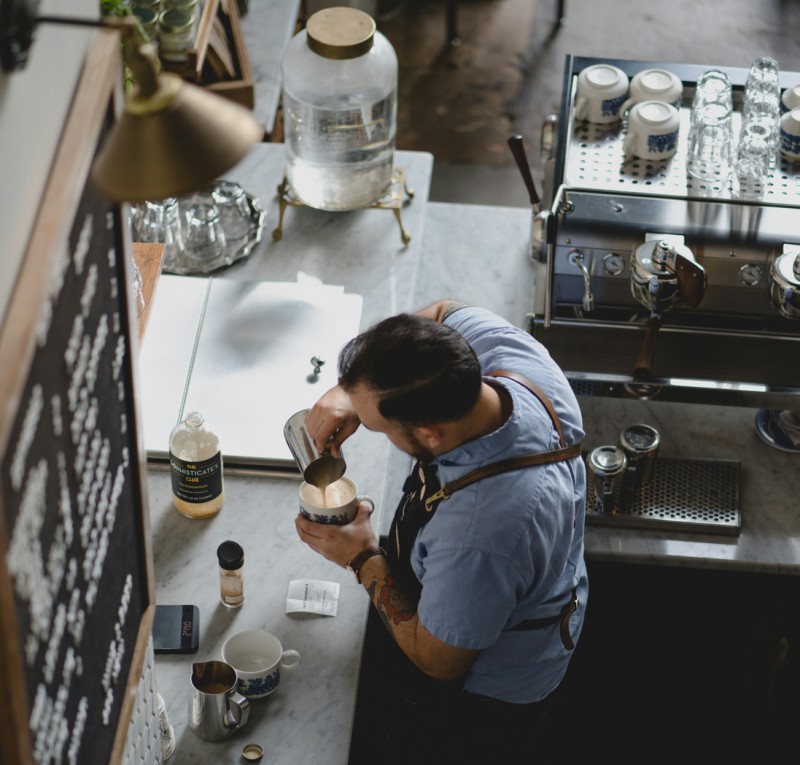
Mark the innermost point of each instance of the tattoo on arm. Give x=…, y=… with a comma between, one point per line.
x=391, y=602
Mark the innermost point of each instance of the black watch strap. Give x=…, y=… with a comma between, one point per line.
x=359, y=560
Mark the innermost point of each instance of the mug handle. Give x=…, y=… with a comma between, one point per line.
x=290, y=654
x=628, y=143
x=626, y=107
x=238, y=711
x=581, y=105
x=366, y=498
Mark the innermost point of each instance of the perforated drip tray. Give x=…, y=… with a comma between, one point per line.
x=691, y=495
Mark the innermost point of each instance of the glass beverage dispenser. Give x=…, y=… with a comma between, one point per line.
x=339, y=110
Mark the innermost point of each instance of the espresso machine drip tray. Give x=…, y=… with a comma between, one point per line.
x=692, y=495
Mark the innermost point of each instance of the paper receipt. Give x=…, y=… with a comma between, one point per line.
x=312, y=596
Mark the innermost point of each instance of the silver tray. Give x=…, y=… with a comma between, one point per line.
x=176, y=263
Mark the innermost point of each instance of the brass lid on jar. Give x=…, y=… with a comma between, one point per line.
x=340, y=33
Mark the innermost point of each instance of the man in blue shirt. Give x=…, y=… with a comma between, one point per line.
x=483, y=585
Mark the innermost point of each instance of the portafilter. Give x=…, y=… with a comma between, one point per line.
x=663, y=275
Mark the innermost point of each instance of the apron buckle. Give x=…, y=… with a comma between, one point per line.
x=435, y=498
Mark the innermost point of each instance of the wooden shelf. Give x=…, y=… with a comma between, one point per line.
x=148, y=257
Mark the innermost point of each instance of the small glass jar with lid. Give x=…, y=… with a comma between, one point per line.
x=175, y=34
x=195, y=462
x=339, y=110
x=230, y=556
x=148, y=18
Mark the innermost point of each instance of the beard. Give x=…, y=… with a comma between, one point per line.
x=414, y=447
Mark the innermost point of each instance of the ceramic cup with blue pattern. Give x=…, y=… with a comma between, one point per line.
x=602, y=89
x=652, y=131
x=790, y=135
x=335, y=503
x=654, y=85
x=258, y=658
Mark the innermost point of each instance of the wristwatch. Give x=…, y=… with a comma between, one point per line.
x=354, y=566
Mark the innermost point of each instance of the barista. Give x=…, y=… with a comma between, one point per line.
x=480, y=594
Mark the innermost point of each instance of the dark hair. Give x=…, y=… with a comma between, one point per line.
x=423, y=371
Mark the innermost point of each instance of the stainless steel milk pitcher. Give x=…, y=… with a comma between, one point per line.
x=319, y=468
x=216, y=708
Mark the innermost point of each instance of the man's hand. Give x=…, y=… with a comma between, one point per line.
x=339, y=544
x=332, y=420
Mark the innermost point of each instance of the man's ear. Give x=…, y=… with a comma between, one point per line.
x=429, y=436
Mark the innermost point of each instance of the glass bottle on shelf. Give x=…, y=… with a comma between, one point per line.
x=339, y=110
x=195, y=462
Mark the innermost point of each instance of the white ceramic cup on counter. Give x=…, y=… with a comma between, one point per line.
x=790, y=135
x=258, y=658
x=602, y=89
x=654, y=85
x=652, y=131
x=335, y=503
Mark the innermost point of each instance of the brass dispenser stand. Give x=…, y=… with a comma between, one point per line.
x=396, y=195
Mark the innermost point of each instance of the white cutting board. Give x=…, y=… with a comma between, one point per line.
x=240, y=353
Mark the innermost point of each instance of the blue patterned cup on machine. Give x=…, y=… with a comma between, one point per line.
x=602, y=89
x=652, y=131
x=790, y=135
x=258, y=658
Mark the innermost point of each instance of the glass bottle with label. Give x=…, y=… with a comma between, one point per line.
x=231, y=573
x=339, y=110
x=195, y=462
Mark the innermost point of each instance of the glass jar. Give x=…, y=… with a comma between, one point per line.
x=339, y=110
x=231, y=573
x=175, y=34
x=148, y=18
x=195, y=462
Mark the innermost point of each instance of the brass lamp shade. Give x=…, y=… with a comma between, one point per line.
x=172, y=142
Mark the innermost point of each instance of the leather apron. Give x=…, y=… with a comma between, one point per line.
x=422, y=494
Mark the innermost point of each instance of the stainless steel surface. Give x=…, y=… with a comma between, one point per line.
x=318, y=468
x=692, y=495
x=236, y=248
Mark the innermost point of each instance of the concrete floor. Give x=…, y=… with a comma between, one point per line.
x=463, y=102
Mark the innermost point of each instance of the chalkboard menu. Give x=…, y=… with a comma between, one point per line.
x=75, y=572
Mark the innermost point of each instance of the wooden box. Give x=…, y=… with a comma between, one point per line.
x=218, y=59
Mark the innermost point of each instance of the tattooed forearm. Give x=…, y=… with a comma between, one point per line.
x=391, y=602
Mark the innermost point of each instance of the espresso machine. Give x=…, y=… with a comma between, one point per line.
x=653, y=285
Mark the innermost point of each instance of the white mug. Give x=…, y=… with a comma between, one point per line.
x=258, y=658
x=790, y=99
x=336, y=503
x=654, y=85
x=652, y=130
x=602, y=89
x=790, y=134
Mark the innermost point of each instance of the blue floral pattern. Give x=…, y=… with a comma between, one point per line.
x=340, y=519
x=254, y=687
x=790, y=144
x=658, y=144
x=610, y=106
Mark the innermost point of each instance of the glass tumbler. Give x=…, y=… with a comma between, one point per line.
x=711, y=143
x=763, y=77
x=234, y=210
x=753, y=164
x=204, y=241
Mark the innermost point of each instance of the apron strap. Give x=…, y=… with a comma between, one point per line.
x=514, y=463
x=533, y=388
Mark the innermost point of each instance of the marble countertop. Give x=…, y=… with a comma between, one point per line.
x=477, y=254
